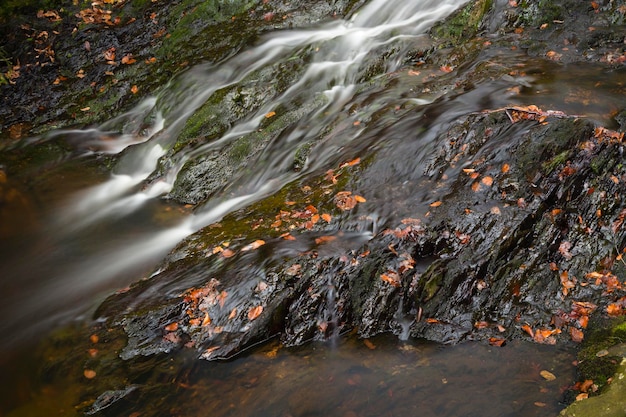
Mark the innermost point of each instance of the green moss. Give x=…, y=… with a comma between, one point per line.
x=555, y=162
x=463, y=24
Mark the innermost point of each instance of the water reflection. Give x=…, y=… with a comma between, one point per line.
x=382, y=377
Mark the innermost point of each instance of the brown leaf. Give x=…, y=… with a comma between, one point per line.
x=577, y=335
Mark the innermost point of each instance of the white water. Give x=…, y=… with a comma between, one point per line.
x=341, y=47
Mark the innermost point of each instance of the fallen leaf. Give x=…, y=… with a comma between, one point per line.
x=496, y=341
x=577, y=335
x=327, y=217
x=528, y=330
x=134, y=89
x=350, y=163
x=228, y=253
x=270, y=114
x=324, y=239
x=94, y=338
x=255, y=312
x=436, y=204
x=254, y=245
x=172, y=327
x=369, y=344
x=446, y=68
x=89, y=374
x=547, y=375
x=128, y=59
x=487, y=181
x=359, y=199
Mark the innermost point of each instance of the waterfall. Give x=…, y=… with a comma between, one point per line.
x=340, y=52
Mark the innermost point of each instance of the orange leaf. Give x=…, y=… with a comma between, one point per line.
x=614, y=309
x=528, y=330
x=228, y=253
x=432, y=321
x=255, y=312
x=505, y=168
x=436, y=204
x=481, y=324
x=446, y=68
x=350, y=163
x=254, y=245
x=134, y=89
x=391, y=278
x=270, y=115
x=128, y=59
x=496, y=341
x=487, y=181
x=172, y=327
x=89, y=374
x=327, y=217
x=359, y=199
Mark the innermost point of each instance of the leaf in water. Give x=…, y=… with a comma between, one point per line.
x=446, y=68
x=325, y=239
x=350, y=163
x=255, y=312
x=89, y=373
x=228, y=253
x=435, y=204
x=547, y=375
x=207, y=320
x=326, y=217
x=359, y=199
x=270, y=114
x=233, y=314
x=134, y=89
x=392, y=278
x=505, y=168
x=369, y=344
x=254, y=245
x=487, y=181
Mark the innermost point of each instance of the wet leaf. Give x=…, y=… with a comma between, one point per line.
x=327, y=217
x=355, y=161
x=270, y=114
x=255, y=312
x=435, y=204
x=369, y=344
x=528, y=330
x=325, y=239
x=89, y=373
x=94, y=338
x=547, y=375
x=487, y=181
x=577, y=335
x=496, y=341
x=134, y=89
x=233, y=314
x=359, y=199
x=172, y=327
x=391, y=277
x=206, y=320
x=128, y=59
x=228, y=253
x=446, y=68
x=254, y=245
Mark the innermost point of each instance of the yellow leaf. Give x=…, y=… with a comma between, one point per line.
x=436, y=204
x=547, y=375
x=270, y=115
x=359, y=199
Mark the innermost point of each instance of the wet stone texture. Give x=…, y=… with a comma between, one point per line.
x=509, y=246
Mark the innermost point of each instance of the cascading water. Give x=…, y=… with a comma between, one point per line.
x=340, y=53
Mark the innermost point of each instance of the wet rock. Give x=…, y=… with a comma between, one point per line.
x=495, y=250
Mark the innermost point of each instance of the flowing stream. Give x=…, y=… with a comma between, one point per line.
x=97, y=232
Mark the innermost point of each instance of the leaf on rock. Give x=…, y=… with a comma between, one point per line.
x=255, y=312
